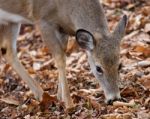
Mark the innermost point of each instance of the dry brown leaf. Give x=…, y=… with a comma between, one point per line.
x=147, y=27
x=46, y=64
x=1, y=82
x=142, y=64
x=10, y=101
x=145, y=10
x=145, y=81
x=47, y=100
x=144, y=114
x=95, y=104
x=130, y=104
x=143, y=49
x=72, y=45
x=147, y=101
x=117, y=116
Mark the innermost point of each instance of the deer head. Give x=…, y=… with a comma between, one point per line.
x=103, y=56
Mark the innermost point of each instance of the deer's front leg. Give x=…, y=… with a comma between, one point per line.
x=53, y=38
x=63, y=89
x=10, y=33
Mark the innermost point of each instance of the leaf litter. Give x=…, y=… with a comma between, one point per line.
x=17, y=101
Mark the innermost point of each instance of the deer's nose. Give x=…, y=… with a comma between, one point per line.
x=110, y=101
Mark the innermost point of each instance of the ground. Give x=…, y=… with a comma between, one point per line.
x=18, y=102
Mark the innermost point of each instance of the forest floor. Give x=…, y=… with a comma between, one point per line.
x=18, y=102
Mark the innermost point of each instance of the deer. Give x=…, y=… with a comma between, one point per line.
x=57, y=20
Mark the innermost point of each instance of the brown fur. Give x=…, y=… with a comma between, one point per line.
x=57, y=19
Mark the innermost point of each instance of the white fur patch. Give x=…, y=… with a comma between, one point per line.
x=6, y=17
x=112, y=96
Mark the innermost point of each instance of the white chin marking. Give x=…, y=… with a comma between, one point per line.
x=113, y=96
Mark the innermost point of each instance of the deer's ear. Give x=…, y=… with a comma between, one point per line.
x=120, y=29
x=85, y=39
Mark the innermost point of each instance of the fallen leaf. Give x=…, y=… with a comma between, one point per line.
x=145, y=49
x=145, y=81
x=10, y=101
x=47, y=101
x=130, y=104
x=117, y=116
x=147, y=28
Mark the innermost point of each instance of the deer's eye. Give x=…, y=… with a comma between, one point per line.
x=120, y=66
x=99, y=69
